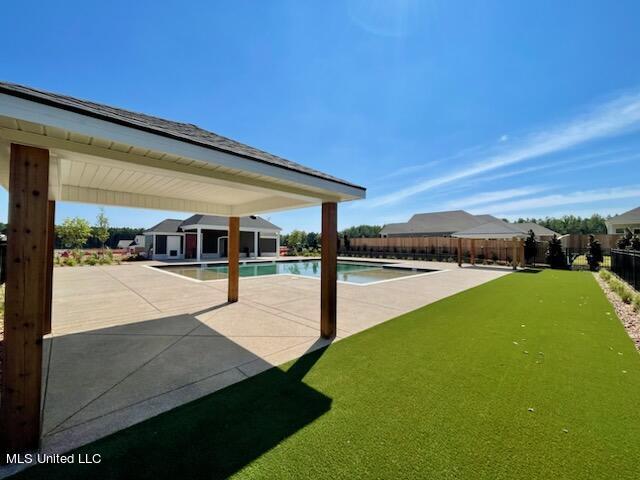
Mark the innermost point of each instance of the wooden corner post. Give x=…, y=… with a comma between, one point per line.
x=51, y=243
x=328, y=270
x=515, y=244
x=233, y=256
x=459, y=252
x=26, y=295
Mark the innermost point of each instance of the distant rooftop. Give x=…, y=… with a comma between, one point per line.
x=172, y=225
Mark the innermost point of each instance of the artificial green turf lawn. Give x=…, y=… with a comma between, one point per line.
x=441, y=392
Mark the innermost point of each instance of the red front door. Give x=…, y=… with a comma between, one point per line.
x=190, y=246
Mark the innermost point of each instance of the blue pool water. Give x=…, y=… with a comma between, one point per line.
x=353, y=272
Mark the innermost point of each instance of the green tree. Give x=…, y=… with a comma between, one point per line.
x=594, y=254
x=369, y=231
x=74, y=232
x=101, y=229
x=530, y=247
x=555, y=256
x=625, y=240
x=312, y=240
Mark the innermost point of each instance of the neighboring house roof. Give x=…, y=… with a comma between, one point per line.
x=124, y=243
x=487, y=218
x=632, y=216
x=491, y=230
x=171, y=225
x=186, y=132
x=437, y=223
x=538, y=230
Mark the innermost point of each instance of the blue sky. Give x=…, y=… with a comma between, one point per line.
x=509, y=108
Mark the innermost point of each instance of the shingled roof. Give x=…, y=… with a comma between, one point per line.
x=216, y=221
x=171, y=225
x=437, y=223
x=632, y=216
x=186, y=132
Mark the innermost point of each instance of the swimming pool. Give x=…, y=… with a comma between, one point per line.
x=352, y=272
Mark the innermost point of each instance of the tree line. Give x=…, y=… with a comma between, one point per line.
x=79, y=233
x=302, y=242
x=571, y=224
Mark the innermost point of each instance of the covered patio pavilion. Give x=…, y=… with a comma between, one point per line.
x=58, y=148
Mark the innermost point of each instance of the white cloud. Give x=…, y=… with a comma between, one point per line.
x=503, y=138
x=555, y=200
x=615, y=117
x=489, y=197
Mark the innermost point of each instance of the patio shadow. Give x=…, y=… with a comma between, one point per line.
x=219, y=433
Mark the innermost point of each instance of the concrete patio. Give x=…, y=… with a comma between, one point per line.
x=129, y=342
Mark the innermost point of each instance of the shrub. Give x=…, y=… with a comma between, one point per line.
x=530, y=247
x=625, y=240
x=555, y=256
x=625, y=295
x=636, y=303
x=621, y=290
x=594, y=254
x=605, y=275
x=70, y=262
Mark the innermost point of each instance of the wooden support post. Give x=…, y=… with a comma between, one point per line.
x=328, y=271
x=51, y=243
x=473, y=251
x=233, y=255
x=521, y=248
x=25, y=298
x=514, y=262
x=459, y=252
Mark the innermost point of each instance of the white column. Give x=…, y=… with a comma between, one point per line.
x=277, y=245
x=198, y=243
x=255, y=244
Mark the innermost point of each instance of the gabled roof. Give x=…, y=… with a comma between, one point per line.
x=632, y=216
x=186, y=132
x=125, y=243
x=538, y=230
x=171, y=225
x=437, y=223
x=492, y=230
x=216, y=221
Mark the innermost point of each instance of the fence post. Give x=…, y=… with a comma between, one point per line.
x=514, y=261
x=473, y=251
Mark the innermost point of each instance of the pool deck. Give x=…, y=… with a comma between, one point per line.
x=130, y=342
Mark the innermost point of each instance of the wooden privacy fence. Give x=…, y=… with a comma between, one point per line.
x=447, y=249
x=580, y=242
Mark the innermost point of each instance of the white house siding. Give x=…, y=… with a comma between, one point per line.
x=268, y=243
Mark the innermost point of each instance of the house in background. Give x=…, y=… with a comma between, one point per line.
x=137, y=245
x=620, y=223
x=436, y=224
x=458, y=223
x=205, y=237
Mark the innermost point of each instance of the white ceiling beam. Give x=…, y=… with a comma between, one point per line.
x=268, y=205
x=135, y=200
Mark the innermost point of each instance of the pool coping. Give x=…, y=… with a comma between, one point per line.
x=394, y=266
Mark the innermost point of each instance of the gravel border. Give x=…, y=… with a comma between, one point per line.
x=629, y=318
